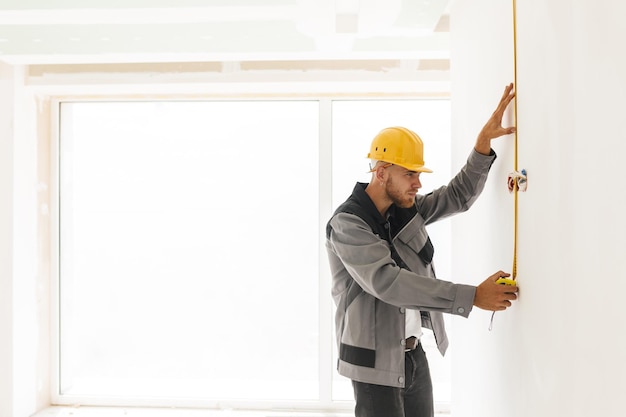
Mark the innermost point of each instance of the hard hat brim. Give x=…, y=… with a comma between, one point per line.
x=416, y=168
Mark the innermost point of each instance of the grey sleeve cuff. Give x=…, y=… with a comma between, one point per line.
x=480, y=160
x=464, y=300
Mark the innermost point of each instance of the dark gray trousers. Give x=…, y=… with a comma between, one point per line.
x=414, y=400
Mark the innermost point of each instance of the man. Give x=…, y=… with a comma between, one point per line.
x=384, y=284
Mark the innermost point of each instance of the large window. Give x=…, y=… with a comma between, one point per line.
x=189, y=246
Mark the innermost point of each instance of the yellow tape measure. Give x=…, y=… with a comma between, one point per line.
x=514, y=271
x=506, y=281
x=515, y=186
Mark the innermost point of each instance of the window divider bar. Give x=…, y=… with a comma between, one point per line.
x=325, y=206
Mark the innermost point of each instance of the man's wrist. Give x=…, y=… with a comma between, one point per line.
x=483, y=146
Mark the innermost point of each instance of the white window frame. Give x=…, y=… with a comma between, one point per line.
x=326, y=330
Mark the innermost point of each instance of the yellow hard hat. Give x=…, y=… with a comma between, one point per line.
x=399, y=146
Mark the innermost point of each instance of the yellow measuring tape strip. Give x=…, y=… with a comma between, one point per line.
x=514, y=186
x=515, y=190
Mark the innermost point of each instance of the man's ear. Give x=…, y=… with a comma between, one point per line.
x=379, y=174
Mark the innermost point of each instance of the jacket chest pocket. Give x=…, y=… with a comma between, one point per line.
x=413, y=244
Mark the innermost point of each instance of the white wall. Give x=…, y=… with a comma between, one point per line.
x=6, y=239
x=24, y=252
x=560, y=350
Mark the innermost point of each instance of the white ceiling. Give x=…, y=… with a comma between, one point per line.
x=140, y=31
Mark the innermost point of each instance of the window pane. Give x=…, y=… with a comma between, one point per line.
x=189, y=249
x=355, y=123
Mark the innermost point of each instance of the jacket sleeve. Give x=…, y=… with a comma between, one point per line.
x=460, y=193
x=367, y=259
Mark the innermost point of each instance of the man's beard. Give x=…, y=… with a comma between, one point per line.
x=400, y=199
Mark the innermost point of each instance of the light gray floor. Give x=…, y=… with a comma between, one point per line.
x=171, y=412
x=159, y=412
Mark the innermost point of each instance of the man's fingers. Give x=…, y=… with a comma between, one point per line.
x=508, y=291
x=503, y=105
x=507, y=96
x=510, y=296
x=507, y=91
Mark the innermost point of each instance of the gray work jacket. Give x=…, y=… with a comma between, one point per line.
x=382, y=266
